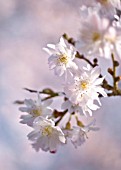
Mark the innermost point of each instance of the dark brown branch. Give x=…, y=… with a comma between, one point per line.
x=80, y=56
x=115, y=93
x=115, y=83
x=61, y=116
x=69, y=40
x=46, y=91
x=19, y=102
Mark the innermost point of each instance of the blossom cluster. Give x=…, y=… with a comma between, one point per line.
x=99, y=35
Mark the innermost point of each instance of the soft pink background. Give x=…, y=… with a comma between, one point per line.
x=26, y=26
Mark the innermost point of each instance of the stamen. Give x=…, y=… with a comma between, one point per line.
x=63, y=59
x=47, y=130
x=37, y=112
x=95, y=36
x=84, y=85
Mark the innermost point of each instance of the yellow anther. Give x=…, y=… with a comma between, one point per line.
x=47, y=130
x=63, y=59
x=37, y=112
x=84, y=85
x=95, y=36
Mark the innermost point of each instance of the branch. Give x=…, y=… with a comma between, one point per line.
x=46, y=91
x=115, y=64
x=80, y=56
x=68, y=39
x=112, y=71
x=61, y=116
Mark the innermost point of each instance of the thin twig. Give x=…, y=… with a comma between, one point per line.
x=115, y=83
x=47, y=91
x=78, y=55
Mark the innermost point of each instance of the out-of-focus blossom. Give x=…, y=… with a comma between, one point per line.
x=110, y=3
x=84, y=88
x=92, y=32
x=46, y=135
x=99, y=37
x=113, y=42
x=35, y=109
x=61, y=57
x=88, y=3
x=106, y=8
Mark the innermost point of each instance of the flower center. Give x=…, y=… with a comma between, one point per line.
x=63, y=59
x=37, y=112
x=47, y=130
x=84, y=85
x=95, y=36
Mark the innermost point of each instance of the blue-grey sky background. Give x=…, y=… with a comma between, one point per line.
x=26, y=26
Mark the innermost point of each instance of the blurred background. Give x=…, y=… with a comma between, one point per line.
x=26, y=26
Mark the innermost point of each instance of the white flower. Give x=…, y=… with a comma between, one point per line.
x=110, y=4
x=91, y=37
x=84, y=88
x=61, y=57
x=46, y=135
x=71, y=107
x=113, y=41
x=35, y=109
x=78, y=135
x=88, y=3
x=98, y=37
x=106, y=8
